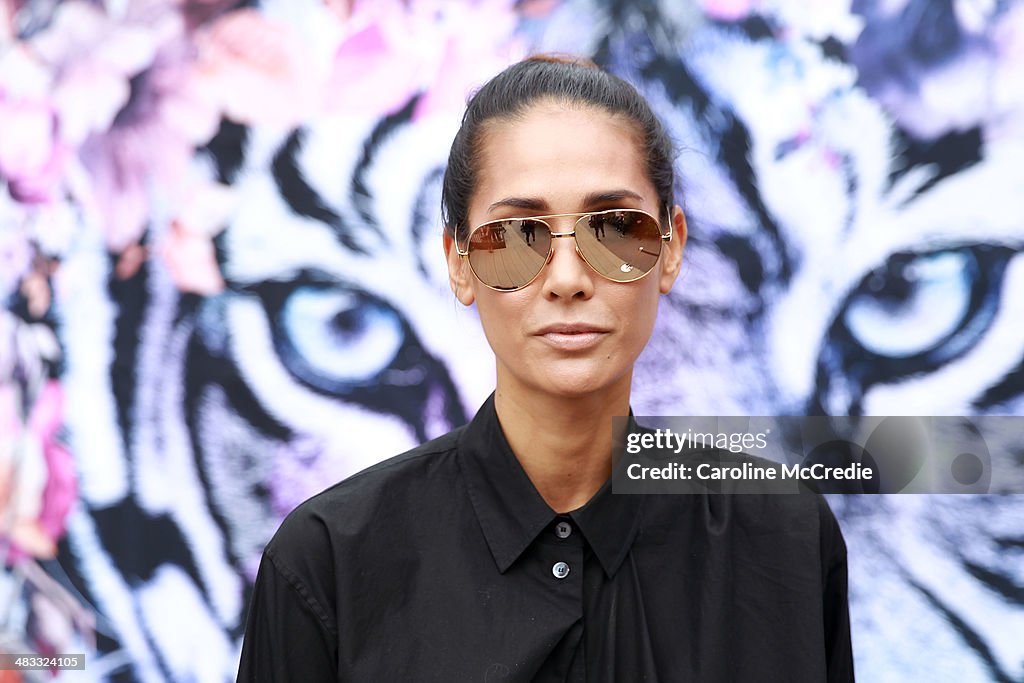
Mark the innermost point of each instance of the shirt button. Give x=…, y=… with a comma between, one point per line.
x=560, y=570
x=563, y=529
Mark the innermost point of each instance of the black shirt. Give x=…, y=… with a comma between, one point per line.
x=445, y=564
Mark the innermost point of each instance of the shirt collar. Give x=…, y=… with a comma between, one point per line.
x=512, y=513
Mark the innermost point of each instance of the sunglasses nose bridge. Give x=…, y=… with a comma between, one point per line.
x=576, y=246
x=555, y=234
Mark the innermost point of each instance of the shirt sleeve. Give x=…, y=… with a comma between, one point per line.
x=288, y=634
x=838, y=646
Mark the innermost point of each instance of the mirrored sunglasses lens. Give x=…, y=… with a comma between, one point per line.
x=508, y=254
x=621, y=245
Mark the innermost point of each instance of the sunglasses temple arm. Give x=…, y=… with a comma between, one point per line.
x=458, y=247
x=668, y=213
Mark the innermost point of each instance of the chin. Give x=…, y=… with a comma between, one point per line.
x=568, y=376
x=580, y=384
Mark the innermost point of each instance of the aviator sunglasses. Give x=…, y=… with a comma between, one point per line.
x=508, y=254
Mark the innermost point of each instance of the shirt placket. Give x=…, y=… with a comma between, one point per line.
x=561, y=558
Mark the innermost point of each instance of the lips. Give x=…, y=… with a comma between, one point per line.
x=572, y=336
x=571, y=328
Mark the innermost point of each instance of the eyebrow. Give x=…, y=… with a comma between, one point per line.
x=537, y=204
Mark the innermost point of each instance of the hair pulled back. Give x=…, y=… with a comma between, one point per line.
x=555, y=78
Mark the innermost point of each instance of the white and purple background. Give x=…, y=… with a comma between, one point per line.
x=223, y=283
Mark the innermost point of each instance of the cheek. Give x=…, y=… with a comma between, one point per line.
x=502, y=315
x=642, y=312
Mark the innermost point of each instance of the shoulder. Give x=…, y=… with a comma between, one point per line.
x=436, y=458
x=392, y=488
x=355, y=524
x=802, y=523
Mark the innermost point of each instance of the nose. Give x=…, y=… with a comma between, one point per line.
x=567, y=275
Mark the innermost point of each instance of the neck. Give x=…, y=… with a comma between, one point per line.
x=563, y=444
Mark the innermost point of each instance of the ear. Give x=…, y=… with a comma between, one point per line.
x=460, y=275
x=673, y=251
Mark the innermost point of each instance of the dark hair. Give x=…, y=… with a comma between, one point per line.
x=562, y=79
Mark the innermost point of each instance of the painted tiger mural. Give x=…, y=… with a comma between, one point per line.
x=182, y=366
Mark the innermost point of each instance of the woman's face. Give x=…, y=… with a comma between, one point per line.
x=571, y=332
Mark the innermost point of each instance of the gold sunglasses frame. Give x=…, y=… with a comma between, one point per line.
x=572, y=233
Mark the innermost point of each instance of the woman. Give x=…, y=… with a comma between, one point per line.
x=498, y=552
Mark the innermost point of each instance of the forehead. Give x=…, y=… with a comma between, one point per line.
x=560, y=153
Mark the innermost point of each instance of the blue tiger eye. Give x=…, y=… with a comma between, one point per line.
x=337, y=337
x=909, y=307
